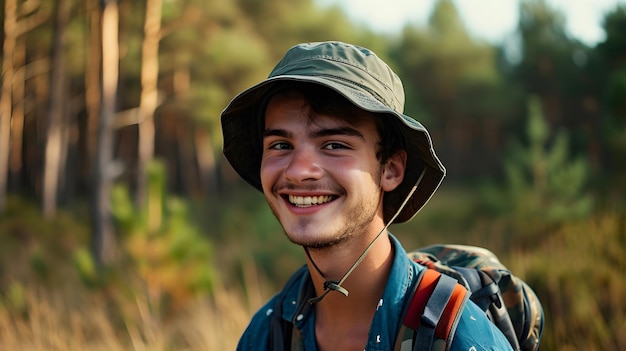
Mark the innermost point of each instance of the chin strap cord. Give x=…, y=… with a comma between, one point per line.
x=334, y=285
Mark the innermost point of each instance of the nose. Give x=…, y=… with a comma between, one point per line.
x=304, y=165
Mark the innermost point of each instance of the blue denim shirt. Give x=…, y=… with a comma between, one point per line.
x=474, y=331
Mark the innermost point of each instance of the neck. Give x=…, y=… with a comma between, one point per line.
x=349, y=317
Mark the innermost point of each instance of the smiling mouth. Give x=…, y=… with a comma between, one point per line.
x=308, y=201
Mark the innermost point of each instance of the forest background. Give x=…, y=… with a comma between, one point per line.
x=122, y=227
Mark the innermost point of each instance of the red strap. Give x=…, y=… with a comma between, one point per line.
x=427, y=263
x=420, y=298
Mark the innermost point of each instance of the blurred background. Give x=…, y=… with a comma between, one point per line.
x=122, y=227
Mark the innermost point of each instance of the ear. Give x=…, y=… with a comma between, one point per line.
x=393, y=171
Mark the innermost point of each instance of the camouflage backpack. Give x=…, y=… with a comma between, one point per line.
x=437, y=301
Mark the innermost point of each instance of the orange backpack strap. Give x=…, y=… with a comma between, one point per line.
x=434, y=310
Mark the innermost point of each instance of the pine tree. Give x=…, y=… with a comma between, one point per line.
x=543, y=182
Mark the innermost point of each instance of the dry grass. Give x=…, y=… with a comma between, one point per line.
x=51, y=320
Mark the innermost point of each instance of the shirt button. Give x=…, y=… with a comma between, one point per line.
x=299, y=317
x=269, y=311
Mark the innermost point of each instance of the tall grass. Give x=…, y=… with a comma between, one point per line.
x=51, y=319
x=46, y=303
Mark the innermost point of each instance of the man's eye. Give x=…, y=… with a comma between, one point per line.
x=335, y=146
x=280, y=146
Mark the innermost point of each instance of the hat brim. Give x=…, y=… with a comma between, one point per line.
x=242, y=143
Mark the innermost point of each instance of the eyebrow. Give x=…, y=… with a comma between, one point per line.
x=276, y=132
x=337, y=131
x=316, y=133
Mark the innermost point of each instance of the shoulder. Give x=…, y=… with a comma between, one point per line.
x=257, y=333
x=476, y=332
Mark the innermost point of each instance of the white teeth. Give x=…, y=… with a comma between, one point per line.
x=305, y=201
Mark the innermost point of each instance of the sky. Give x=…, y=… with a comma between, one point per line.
x=491, y=20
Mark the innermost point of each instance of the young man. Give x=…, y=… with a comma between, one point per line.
x=326, y=141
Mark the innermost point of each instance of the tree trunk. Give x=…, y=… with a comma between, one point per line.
x=92, y=86
x=57, y=113
x=149, y=95
x=103, y=241
x=6, y=101
x=205, y=157
x=17, y=124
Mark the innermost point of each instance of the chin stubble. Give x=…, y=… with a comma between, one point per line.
x=359, y=219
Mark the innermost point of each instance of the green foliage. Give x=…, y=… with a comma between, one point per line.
x=250, y=236
x=86, y=267
x=542, y=183
x=453, y=86
x=615, y=124
x=578, y=275
x=39, y=244
x=230, y=70
x=446, y=22
x=39, y=265
x=541, y=26
x=15, y=298
x=165, y=248
x=614, y=24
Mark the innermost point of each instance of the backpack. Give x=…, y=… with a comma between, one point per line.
x=455, y=274
x=438, y=299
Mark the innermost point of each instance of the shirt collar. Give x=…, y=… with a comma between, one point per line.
x=384, y=327
x=386, y=322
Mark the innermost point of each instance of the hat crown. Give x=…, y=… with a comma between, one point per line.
x=351, y=64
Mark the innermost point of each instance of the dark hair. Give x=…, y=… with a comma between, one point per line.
x=326, y=101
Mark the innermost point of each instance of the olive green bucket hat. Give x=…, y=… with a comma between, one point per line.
x=361, y=77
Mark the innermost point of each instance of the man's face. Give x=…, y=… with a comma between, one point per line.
x=320, y=174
